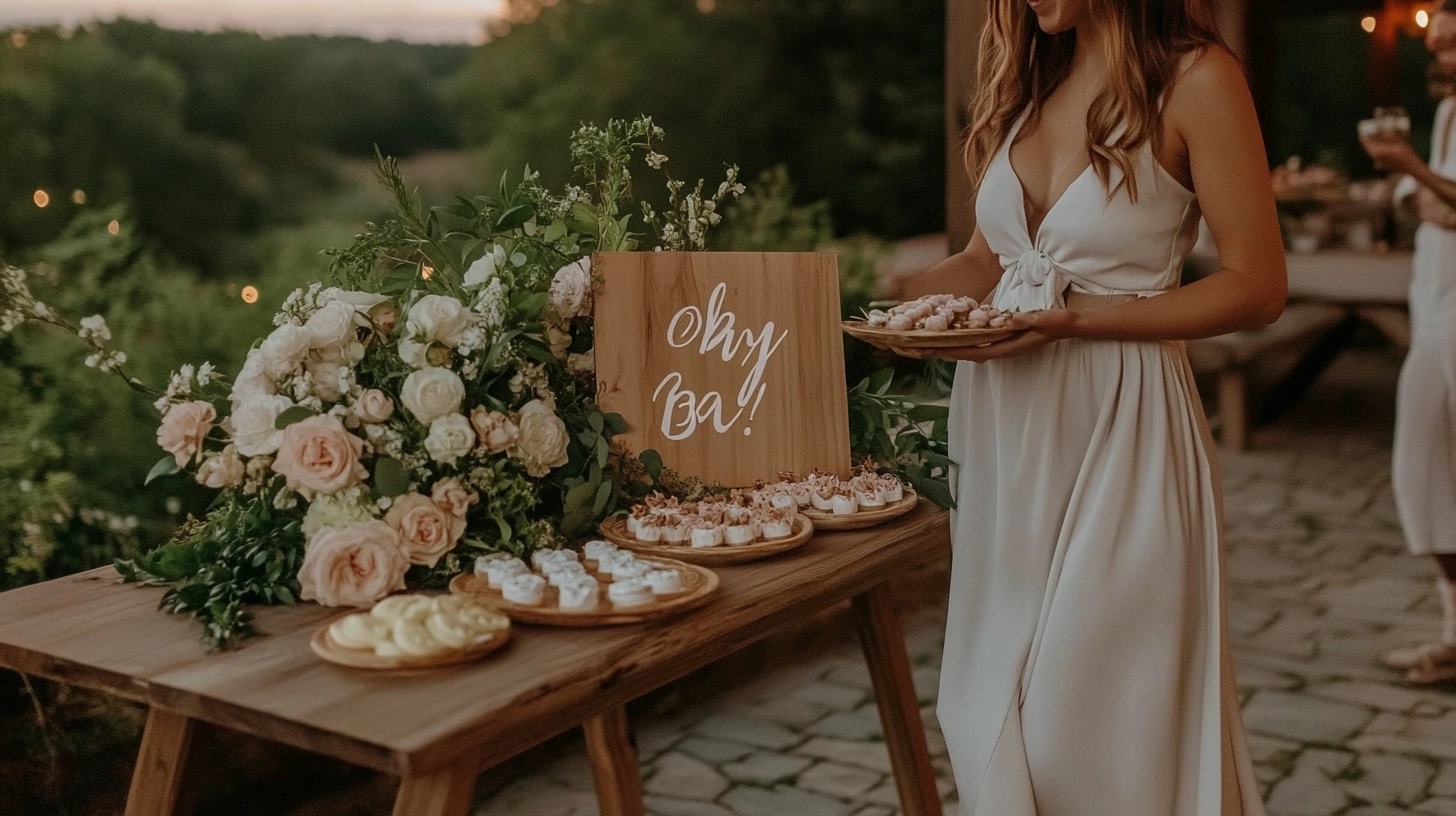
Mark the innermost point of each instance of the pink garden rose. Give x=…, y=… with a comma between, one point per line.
x=453, y=497
x=184, y=429
x=426, y=530
x=374, y=406
x=352, y=566
x=495, y=430
x=318, y=455
x=224, y=470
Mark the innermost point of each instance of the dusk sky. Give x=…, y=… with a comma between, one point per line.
x=419, y=20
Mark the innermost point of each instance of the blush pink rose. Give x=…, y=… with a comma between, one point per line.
x=317, y=455
x=184, y=428
x=453, y=497
x=352, y=566
x=426, y=530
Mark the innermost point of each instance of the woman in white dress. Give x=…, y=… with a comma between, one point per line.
x=1086, y=668
x=1424, y=469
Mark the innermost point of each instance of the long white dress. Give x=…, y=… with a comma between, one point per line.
x=1424, y=469
x=1086, y=670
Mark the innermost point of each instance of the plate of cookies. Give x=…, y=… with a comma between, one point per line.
x=412, y=633
x=730, y=528
x=600, y=585
x=866, y=499
x=933, y=321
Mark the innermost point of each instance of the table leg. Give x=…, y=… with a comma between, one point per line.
x=613, y=755
x=445, y=792
x=156, y=783
x=883, y=638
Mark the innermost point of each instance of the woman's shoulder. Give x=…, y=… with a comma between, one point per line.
x=1209, y=79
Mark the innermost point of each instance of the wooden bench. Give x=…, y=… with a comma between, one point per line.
x=436, y=731
x=1231, y=357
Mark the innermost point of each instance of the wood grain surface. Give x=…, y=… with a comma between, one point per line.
x=655, y=359
x=91, y=631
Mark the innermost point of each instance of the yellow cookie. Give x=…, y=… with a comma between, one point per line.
x=360, y=631
x=450, y=631
x=415, y=640
x=403, y=607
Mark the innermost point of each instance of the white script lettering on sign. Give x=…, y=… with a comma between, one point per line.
x=729, y=364
x=683, y=410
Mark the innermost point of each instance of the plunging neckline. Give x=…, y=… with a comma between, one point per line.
x=1035, y=237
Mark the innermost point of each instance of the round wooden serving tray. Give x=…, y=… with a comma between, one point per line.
x=325, y=647
x=699, y=584
x=827, y=521
x=615, y=530
x=923, y=339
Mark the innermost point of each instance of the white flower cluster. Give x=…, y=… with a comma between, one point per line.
x=16, y=301
x=299, y=305
x=685, y=224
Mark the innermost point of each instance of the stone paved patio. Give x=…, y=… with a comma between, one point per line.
x=1318, y=584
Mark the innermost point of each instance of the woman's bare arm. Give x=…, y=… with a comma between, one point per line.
x=973, y=271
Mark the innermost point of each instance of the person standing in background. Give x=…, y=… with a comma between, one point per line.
x=1424, y=467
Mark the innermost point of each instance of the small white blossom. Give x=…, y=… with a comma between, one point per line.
x=94, y=329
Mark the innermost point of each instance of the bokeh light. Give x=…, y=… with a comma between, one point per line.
x=41, y=198
x=1423, y=18
x=1368, y=24
x=78, y=196
x=250, y=294
x=114, y=228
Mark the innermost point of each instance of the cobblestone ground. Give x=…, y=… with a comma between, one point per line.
x=1318, y=582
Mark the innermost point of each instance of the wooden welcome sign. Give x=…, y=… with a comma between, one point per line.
x=728, y=364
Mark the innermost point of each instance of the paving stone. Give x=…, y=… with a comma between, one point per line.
x=849, y=673
x=1437, y=807
x=530, y=797
x=764, y=768
x=1305, y=719
x=1272, y=749
x=1433, y=737
x=1377, y=810
x=1379, y=591
x=830, y=695
x=839, y=781
x=1445, y=782
x=747, y=730
x=862, y=724
x=667, y=806
x=792, y=713
x=682, y=777
x=1376, y=695
x=1307, y=791
x=1249, y=676
x=1389, y=779
x=875, y=810
x=782, y=801
x=714, y=751
x=870, y=755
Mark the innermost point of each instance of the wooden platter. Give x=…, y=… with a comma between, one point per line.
x=922, y=339
x=615, y=530
x=699, y=584
x=325, y=647
x=827, y=521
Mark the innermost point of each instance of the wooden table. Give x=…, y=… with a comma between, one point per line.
x=437, y=731
x=1373, y=286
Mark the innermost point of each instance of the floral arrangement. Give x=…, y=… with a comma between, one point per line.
x=434, y=402
x=1297, y=182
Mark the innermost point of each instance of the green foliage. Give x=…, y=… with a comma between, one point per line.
x=847, y=93
x=901, y=435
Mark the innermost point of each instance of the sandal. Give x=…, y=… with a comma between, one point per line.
x=1437, y=665
x=1407, y=658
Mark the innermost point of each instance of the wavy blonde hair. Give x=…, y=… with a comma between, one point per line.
x=1021, y=65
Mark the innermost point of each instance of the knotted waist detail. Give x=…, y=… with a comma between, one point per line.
x=1035, y=281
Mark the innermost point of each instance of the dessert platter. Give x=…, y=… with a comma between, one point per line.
x=732, y=528
x=866, y=499
x=933, y=321
x=413, y=632
x=601, y=585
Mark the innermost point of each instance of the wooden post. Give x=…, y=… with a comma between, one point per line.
x=1385, y=55
x=964, y=20
x=156, y=782
x=613, y=757
x=445, y=792
x=883, y=639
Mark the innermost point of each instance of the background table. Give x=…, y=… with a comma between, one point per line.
x=437, y=731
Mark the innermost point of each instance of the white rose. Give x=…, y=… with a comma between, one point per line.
x=363, y=301
x=542, y=442
x=332, y=326
x=255, y=431
x=486, y=267
x=437, y=318
x=252, y=381
x=431, y=393
x=283, y=350
x=326, y=380
x=413, y=354
x=584, y=363
x=451, y=437
x=496, y=431
x=571, y=289
x=374, y=406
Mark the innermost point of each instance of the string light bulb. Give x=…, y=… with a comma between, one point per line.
x=41, y=198
x=1368, y=24
x=114, y=227
x=1423, y=18
x=250, y=294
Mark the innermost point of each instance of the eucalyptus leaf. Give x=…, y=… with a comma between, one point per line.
x=616, y=424
x=652, y=462
x=165, y=466
x=297, y=413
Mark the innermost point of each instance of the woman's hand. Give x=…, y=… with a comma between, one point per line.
x=1394, y=155
x=999, y=350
